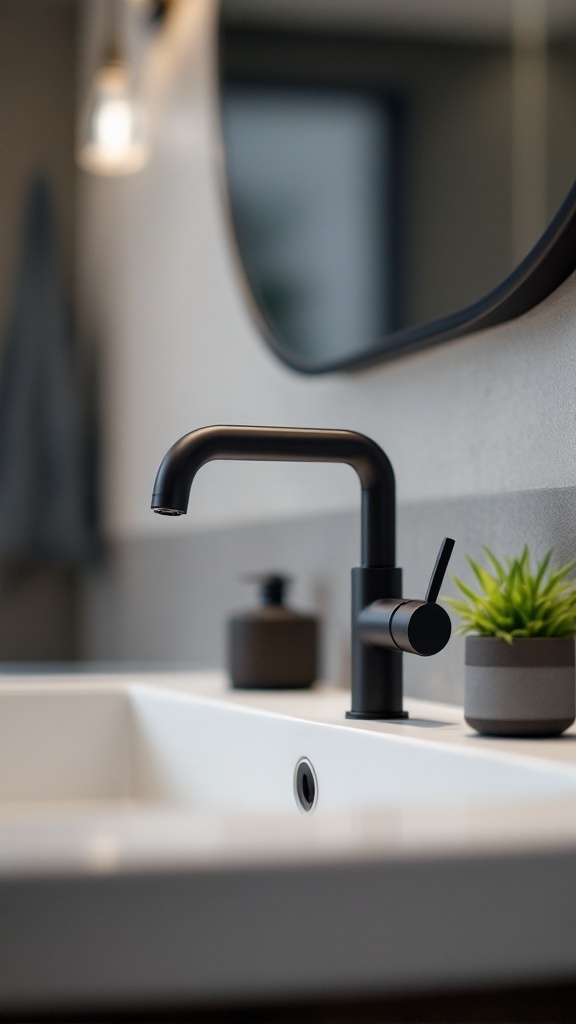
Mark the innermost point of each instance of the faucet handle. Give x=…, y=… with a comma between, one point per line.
x=423, y=627
x=439, y=570
x=417, y=627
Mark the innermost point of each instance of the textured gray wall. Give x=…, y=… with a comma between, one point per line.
x=167, y=599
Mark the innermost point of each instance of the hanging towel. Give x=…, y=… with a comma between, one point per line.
x=45, y=513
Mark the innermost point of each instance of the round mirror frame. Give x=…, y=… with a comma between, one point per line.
x=544, y=269
x=546, y=266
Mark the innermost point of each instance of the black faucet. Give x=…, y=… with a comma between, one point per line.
x=383, y=623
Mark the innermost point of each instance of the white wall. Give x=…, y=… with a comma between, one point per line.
x=494, y=412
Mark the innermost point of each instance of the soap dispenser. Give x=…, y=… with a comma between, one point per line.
x=272, y=647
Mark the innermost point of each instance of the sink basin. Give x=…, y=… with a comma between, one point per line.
x=154, y=853
x=136, y=746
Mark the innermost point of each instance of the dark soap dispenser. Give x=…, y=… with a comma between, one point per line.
x=272, y=647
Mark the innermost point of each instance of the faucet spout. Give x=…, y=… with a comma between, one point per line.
x=287, y=444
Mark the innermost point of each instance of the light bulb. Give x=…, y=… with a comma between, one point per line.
x=113, y=132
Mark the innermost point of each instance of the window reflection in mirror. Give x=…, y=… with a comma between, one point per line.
x=389, y=164
x=316, y=245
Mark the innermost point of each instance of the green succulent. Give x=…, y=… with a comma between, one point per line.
x=515, y=602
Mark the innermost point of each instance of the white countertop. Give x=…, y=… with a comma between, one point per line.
x=102, y=908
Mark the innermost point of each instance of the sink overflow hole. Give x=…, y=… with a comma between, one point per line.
x=305, y=785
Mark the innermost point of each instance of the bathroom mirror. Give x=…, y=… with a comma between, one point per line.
x=399, y=172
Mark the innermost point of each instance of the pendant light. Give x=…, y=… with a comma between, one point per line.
x=113, y=136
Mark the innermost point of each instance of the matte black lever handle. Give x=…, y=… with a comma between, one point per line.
x=439, y=570
x=418, y=627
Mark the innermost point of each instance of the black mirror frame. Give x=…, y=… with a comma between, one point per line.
x=548, y=264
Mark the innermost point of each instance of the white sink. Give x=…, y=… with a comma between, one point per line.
x=153, y=853
x=137, y=745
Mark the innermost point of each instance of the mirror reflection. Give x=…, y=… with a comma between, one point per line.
x=390, y=163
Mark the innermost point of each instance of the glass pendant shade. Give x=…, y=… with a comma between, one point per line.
x=113, y=129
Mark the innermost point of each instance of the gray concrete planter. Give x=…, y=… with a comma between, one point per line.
x=526, y=688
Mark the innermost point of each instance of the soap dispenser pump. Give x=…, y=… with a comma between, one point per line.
x=272, y=647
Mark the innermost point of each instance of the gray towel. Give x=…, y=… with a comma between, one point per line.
x=45, y=513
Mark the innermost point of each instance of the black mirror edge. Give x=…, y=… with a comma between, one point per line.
x=548, y=264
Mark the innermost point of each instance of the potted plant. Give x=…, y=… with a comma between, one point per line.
x=520, y=678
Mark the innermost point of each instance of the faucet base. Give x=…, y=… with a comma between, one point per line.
x=376, y=670
x=375, y=716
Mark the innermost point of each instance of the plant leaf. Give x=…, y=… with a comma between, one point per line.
x=516, y=602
